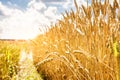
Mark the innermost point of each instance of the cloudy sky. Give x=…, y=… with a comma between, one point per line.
x=22, y=19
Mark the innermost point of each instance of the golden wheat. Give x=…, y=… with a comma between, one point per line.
x=83, y=44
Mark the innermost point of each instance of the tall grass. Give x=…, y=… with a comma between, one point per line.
x=9, y=57
x=84, y=45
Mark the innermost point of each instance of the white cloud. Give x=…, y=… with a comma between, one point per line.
x=68, y=4
x=25, y=24
x=6, y=11
x=36, y=5
x=82, y=2
x=50, y=13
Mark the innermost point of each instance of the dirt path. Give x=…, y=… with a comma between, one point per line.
x=27, y=69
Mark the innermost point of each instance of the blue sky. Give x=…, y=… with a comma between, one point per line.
x=22, y=19
x=21, y=4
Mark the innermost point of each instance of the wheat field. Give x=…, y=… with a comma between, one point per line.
x=83, y=45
